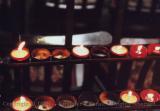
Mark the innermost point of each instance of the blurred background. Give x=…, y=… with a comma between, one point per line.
x=119, y=17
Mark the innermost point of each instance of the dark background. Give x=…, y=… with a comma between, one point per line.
x=115, y=16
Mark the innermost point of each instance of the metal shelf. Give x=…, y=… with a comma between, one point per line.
x=99, y=106
x=76, y=61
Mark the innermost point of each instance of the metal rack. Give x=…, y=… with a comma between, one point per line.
x=90, y=63
x=67, y=69
x=121, y=106
x=77, y=61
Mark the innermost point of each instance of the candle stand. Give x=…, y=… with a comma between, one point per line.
x=22, y=70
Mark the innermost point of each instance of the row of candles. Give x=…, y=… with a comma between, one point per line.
x=43, y=103
x=136, y=51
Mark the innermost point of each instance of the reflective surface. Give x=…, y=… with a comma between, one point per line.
x=95, y=38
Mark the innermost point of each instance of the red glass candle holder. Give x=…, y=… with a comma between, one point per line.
x=41, y=54
x=154, y=49
x=138, y=51
x=66, y=101
x=105, y=99
x=44, y=103
x=60, y=53
x=150, y=95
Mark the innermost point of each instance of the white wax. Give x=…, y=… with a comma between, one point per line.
x=80, y=51
x=157, y=48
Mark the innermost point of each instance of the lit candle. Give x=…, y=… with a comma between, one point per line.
x=80, y=51
x=157, y=48
x=41, y=54
x=44, y=103
x=119, y=50
x=150, y=95
x=60, y=53
x=66, y=101
x=154, y=49
x=119, y=47
x=138, y=51
x=20, y=53
x=129, y=93
x=129, y=97
x=105, y=98
x=22, y=104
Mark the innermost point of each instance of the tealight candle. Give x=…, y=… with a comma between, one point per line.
x=138, y=51
x=67, y=101
x=22, y=103
x=150, y=95
x=41, y=54
x=129, y=97
x=20, y=53
x=100, y=52
x=45, y=103
x=88, y=99
x=119, y=50
x=157, y=48
x=106, y=99
x=60, y=53
x=154, y=49
x=80, y=51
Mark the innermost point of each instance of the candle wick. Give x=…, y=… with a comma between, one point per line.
x=19, y=37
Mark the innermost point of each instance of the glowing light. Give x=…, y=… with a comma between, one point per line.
x=21, y=45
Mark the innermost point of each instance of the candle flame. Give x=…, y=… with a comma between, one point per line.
x=150, y=96
x=157, y=48
x=22, y=99
x=129, y=93
x=21, y=45
x=139, y=48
